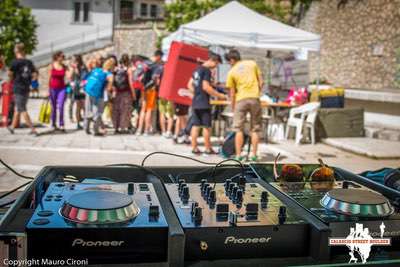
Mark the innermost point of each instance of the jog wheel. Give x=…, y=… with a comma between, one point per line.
x=355, y=202
x=99, y=207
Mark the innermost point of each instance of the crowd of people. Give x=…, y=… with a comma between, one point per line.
x=130, y=85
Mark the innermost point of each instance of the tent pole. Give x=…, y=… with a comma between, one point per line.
x=318, y=69
x=269, y=77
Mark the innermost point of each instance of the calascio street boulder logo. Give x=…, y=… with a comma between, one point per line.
x=360, y=242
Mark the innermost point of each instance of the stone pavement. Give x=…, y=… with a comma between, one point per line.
x=29, y=154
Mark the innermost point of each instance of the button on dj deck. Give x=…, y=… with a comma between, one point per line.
x=41, y=221
x=154, y=211
x=45, y=213
x=143, y=187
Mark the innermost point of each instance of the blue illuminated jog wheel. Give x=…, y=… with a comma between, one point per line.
x=99, y=207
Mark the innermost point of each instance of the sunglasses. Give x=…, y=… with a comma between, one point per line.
x=294, y=173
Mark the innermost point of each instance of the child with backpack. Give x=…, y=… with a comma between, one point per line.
x=148, y=98
x=98, y=80
x=123, y=97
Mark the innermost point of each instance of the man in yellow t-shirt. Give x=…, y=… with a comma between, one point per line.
x=245, y=83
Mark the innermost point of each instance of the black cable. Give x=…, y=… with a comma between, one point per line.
x=15, y=172
x=175, y=155
x=7, y=203
x=140, y=168
x=200, y=172
x=196, y=160
x=13, y=190
x=220, y=164
x=194, y=173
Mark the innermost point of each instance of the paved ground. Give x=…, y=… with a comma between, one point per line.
x=29, y=154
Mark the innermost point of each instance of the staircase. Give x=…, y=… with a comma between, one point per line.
x=382, y=133
x=73, y=44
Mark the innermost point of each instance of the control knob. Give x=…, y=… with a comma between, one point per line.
x=230, y=187
x=197, y=215
x=233, y=192
x=207, y=192
x=212, y=198
x=282, y=214
x=242, y=182
x=238, y=197
x=131, y=188
x=232, y=218
x=185, y=194
x=194, y=205
x=227, y=183
x=264, y=199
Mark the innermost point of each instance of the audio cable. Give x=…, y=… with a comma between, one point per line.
x=175, y=155
x=15, y=172
x=18, y=187
x=147, y=170
x=214, y=168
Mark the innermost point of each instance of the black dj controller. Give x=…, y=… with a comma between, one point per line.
x=342, y=203
x=236, y=220
x=227, y=216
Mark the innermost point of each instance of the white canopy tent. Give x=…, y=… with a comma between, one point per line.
x=234, y=25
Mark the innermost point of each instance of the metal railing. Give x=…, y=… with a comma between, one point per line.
x=75, y=43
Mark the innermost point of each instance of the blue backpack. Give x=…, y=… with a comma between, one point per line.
x=95, y=83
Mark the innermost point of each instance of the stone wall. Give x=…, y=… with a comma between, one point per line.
x=138, y=38
x=359, y=42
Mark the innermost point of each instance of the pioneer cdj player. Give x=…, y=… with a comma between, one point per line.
x=236, y=219
x=339, y=202
x=103, y=223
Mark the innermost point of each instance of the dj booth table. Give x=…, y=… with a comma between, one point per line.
x=42, y=225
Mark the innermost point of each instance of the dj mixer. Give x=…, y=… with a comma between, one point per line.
x=236, y=220
x=103, y=223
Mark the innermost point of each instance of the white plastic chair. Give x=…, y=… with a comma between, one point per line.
x=299, y=117
x=310, y=123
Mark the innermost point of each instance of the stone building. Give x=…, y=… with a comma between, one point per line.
x=137, y=25
x=80, y=26
x=94, y=26
x=360, y=43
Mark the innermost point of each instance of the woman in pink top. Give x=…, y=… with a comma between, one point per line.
x=57, y=89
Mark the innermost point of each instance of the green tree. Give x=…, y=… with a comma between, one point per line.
x=16, y=25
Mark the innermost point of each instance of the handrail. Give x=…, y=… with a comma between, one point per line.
x=75, y=36
x=74, y=43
